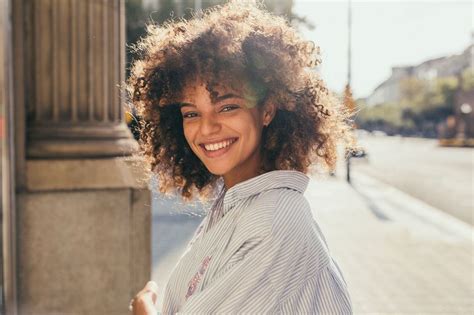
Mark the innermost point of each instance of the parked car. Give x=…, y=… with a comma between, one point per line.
x=359, y=152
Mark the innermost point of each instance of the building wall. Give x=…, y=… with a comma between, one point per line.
x=389, y=90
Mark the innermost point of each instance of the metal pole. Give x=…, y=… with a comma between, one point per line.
x=198, y=7
x=349, y=57
x=349, y=45
x=348, y=168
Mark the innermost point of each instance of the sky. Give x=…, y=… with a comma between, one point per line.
x=384, y=34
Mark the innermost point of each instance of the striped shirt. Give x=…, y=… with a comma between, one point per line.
x=259, y=250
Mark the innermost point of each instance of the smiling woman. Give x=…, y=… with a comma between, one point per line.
x=243, y=49
x=232, y=110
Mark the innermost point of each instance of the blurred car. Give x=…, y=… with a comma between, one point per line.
x=362, y=133
x=379, y=133
x=358, y=152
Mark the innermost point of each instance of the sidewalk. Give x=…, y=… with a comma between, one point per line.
x=398, y=255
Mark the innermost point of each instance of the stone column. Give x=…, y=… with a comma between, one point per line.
x=75, y=65
x=83, y=208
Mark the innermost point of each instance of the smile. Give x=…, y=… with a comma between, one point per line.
x=219, y=148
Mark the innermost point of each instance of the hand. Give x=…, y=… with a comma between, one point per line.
x=144, y=302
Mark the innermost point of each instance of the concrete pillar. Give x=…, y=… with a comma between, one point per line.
x=75, y=66
x=83, y=209
x=84, y=230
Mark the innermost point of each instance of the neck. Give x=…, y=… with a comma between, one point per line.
x=246, y=171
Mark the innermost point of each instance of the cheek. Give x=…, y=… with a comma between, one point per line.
x=188, y=132
x=255, y=137
x=253, y=124
x=251, y=133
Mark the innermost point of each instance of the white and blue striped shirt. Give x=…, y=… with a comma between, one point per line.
x=259, y=250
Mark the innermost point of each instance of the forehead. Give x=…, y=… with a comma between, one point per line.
x=196, y=91
x=196, y=87
x=199, y=90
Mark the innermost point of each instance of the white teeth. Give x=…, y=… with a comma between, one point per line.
x=217, y=146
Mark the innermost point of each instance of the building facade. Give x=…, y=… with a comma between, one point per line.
x=389, y=90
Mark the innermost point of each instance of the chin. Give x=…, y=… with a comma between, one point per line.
x=217, y=171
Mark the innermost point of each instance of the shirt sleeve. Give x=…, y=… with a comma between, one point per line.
x=326, y=293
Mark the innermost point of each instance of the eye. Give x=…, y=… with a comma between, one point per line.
x=229, y=108
x=189, y=115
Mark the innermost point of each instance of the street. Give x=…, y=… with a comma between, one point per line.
x=440, y=176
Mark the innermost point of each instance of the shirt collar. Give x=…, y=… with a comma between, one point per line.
x=291, y=179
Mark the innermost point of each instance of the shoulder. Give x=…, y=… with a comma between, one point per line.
x=292, y=211
x=281, y=209
x=284, y=217
x=259, y=213
x=293, y=223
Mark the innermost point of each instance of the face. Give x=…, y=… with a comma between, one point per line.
x=225, y=134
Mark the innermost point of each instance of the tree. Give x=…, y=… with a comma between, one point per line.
x=138, y=16
x=467, y=78
x=424, y=104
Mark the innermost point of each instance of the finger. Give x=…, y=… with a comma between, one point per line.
x=152, y=287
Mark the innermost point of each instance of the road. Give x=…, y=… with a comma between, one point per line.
x=440, y=176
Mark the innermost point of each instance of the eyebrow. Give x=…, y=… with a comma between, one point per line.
x=182, y=104
x=226, y=96
x=218, y=99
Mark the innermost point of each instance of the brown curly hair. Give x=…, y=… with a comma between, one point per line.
x=228, y=43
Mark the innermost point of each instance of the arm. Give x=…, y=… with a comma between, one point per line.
x=325, y=293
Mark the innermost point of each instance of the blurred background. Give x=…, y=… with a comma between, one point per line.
x=83, y=229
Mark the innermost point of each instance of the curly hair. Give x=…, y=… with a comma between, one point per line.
x=223, y=45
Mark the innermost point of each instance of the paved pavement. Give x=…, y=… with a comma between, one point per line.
x=440, y=176
x=398, y=254
x=173, y=225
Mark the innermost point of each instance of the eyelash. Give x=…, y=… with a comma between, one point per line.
x=230, y=106
x=185, y=116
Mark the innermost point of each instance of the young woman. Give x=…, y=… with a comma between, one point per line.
x=232, y=111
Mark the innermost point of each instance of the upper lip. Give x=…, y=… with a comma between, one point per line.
x=216, y=141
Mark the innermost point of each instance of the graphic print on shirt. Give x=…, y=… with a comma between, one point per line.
x=197, y=277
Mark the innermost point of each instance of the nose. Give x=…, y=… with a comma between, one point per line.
x=209, y=125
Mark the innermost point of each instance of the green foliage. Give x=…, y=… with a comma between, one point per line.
x=137, y=16
x=443, y=93
x=389, y=114
x=413, y=92
x=423, y=105
x=467, y=79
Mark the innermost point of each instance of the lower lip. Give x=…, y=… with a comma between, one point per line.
x=221, y=151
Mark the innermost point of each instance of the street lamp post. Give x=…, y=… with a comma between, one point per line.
x=349, y=103
x=198, y=7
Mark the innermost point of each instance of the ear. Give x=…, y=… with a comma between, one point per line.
x=269, y=111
